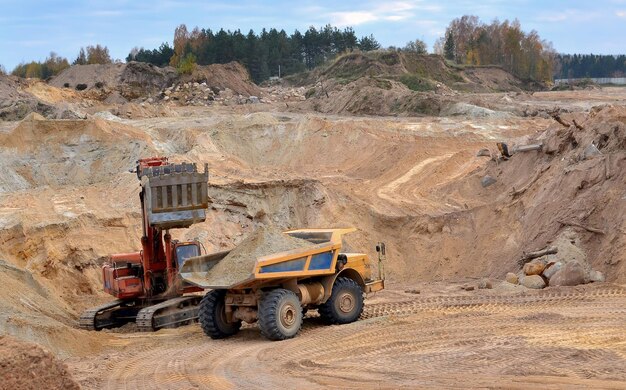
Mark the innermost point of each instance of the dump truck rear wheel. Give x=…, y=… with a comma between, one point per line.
x=345, y=304
x=280, y=314
x=212, y=316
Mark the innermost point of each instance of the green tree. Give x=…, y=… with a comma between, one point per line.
x=187, y=64
x=81, y=59
x=368, y=43
x=52, y=65
x=263, y=54
x=98, y=55
x=448, y=47
x=417, y=46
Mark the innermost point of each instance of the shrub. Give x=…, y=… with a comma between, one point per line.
x=187, y=64
x=66, y=85
x=81, y=87
x=415, y=83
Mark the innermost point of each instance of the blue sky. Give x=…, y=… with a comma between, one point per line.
x=31, y=29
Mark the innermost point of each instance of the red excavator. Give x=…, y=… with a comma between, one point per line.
x=146, y=283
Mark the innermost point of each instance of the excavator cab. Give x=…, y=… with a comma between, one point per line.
x=185, y=250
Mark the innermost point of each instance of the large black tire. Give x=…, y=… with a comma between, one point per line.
x=345, y=304
x=280, y=314
x=212, y=316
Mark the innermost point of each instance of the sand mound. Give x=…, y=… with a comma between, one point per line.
x=386, y=83
x=131, y=80
x=491, y=78
x=28, y=366
x=374, y=96
x=233, y=76
x=52, y=95
x=75, y=152
x=107, y=74
x=238, y=265
x=137, y=80
x=139, y=111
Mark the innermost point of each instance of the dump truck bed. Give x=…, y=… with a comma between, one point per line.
x=300, y=254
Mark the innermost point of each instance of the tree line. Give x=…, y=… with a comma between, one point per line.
x=54, y=64
x=575, y=66
x=265, y=54
x=472, y=42
x=273, y=52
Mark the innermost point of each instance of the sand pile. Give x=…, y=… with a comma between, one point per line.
x=142, y=110
x=238, y=265
x=373, y=96
x=126, y=81
x=28, y=366
x=233, y=76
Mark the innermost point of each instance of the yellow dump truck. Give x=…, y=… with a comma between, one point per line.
x=273, y=277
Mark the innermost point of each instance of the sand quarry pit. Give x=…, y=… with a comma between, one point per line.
x=415, y=183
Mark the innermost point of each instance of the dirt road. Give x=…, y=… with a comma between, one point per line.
x=441, y=338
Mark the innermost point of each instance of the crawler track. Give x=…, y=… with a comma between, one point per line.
x=168, y=314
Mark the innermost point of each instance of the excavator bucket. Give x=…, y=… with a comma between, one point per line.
x=176, y=195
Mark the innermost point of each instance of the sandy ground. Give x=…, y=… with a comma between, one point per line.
x=442, y=338
x=411, y=182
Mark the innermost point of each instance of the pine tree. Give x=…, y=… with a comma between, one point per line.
x=448, y=47
x=81, y=59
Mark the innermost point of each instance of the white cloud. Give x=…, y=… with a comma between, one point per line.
x=342, y=19
x=621, y=14
x=394, y=11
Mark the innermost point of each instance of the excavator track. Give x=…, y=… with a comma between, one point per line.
x=169, y=314
x=102, y=316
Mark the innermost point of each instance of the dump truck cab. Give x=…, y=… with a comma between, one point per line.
x=281, y=286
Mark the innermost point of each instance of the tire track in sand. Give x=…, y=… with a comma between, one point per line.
x=564, y=338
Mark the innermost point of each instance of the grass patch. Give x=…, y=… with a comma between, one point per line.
x=416, y=83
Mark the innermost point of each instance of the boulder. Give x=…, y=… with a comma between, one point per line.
x=533, y=281
x=570, y=274
x=483, y=152
x=551, y=269
x=596, y=277
x=485, y=284
x=487, y=181
x=512, y=278
x=590, y=151
x=534, y=268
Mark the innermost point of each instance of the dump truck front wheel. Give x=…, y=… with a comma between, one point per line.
x=212, y=316
x=280, y=314
x=345, y=304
